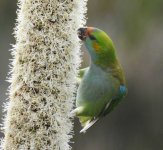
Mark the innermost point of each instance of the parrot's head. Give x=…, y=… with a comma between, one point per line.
x=98, y=43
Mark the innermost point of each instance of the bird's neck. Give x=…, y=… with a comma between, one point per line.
x=106, y=59
x=110, y=65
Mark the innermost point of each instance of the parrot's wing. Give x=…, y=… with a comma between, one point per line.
x=115, y=101
x=111, y=106
x=81, y=74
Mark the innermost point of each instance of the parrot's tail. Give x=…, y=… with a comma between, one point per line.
x=88, y=124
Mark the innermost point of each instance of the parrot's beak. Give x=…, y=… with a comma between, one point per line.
x=82, y=33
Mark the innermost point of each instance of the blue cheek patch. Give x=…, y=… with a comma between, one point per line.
x=123, y=90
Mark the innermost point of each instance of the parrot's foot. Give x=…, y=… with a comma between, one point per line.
x=76, y=111
x=78, y=81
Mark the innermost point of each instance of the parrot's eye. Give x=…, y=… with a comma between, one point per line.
x=92, y=37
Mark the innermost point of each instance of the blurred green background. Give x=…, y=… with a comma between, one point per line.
x=136, y=28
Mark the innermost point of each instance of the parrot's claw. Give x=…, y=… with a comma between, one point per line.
x=76, y=111
x=72, y=113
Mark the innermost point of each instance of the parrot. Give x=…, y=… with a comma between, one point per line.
x=102, y=85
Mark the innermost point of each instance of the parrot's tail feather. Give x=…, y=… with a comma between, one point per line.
x=88, y=125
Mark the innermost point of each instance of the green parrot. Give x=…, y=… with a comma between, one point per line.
x=102, y=84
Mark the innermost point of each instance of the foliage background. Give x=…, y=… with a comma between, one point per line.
x=136, y=28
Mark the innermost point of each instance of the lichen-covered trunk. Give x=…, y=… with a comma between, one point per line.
x=44, y=67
